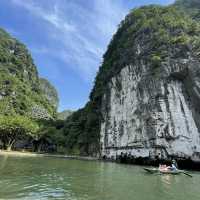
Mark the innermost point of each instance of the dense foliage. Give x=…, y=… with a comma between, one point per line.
x=80, y=131
x=191, y=7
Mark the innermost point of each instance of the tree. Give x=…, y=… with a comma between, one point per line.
x=14, y=128
x=49, y=136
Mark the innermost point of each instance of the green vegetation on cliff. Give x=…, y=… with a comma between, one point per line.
x=49, y=92
x=191, y=7
x=20, y=91
x=64, y=114
x=27, y=103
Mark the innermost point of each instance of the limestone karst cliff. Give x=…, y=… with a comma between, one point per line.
x=21, y=90
x=145, y=101
x=49, y=92
x=151, y=107
x=28, y=104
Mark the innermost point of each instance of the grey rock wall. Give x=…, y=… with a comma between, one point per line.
x=153, y=113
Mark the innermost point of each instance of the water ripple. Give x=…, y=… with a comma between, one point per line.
x=46, y=179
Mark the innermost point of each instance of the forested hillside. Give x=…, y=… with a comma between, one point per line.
x=27, y=102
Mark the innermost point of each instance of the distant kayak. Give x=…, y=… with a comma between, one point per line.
x=171, y=172
x=174, y=172
x=156, y=170
x=151, y=170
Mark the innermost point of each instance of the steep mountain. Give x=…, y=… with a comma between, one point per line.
x=64, y=114
x=145, y=102
x=21, y=90
x=191, y=7
x=49, y=92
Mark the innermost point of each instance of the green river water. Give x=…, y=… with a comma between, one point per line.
x=35, y=178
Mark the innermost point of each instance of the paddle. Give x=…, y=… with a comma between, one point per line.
x=187, y=174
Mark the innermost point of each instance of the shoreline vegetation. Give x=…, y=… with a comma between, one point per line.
x=33, y=154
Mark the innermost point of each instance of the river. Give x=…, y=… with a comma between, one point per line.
x=37, y=178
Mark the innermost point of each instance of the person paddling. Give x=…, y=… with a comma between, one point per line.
x=173, y=166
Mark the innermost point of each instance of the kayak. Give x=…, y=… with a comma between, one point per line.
x=171, y=172
x=156, y=170
x=151, y=170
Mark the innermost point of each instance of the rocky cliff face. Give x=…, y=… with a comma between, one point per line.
x=151, y=107
x=150, y=116
x=50, y=92
x=20, y=88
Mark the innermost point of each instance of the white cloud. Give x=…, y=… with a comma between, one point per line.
x=50, y=16
x=81, y=34
x=109, y=15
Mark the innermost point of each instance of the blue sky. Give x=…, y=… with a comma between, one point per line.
x=67, y=38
